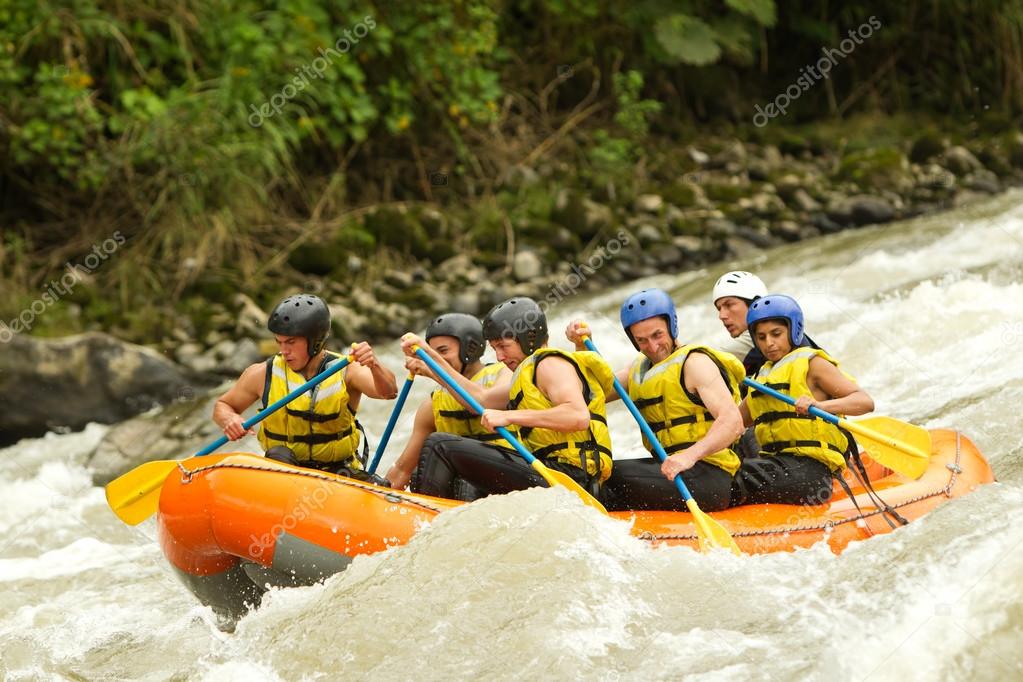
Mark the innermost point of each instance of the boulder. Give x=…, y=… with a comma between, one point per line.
x=960, y=161
x=649, y=203
x=527, y=266
x=71, y=381
x=860, y=210
x=983, y=180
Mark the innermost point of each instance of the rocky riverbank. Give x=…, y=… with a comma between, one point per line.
x=544, y=239
x=392, y=267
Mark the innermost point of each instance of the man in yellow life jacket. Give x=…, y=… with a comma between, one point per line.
x=458, y=338
x=799, y=453
x=317, y=429
x=554, y=401
x=689, y=396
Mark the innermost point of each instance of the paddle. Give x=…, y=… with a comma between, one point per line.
x=391, y=422
x=710, y=532
x=909, y=456
x=135, y=495
x=552, y=477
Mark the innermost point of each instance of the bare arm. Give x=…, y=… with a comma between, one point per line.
x=229, y=407
x=833, y=391
x=401, y=471
x=366, y=376
x=704, y=380
x=496, y=396
x=557, y=379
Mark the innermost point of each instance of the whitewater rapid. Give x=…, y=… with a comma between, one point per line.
x=926, y=314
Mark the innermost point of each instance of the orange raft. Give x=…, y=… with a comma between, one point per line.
x=232, y=524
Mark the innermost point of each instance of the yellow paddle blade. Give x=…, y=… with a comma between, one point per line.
x=554, y=478
x=710, y=532
x=135, y=495
x=903, y=448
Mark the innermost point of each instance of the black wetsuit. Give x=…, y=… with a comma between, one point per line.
x=489, y=469
x=639, y=484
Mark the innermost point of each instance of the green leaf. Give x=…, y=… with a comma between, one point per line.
x=688, y=39
x=761, y=10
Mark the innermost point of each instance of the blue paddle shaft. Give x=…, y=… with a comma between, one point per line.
x=270, y=409
x=815, y=411
x=391, y=422
x=473, y=403
x=645, y=428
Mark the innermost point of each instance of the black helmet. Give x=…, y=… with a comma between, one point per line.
x=518, y=318
x=466, y=328
x=302, y=315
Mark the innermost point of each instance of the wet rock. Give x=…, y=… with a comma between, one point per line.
x=960, y=161
x=879, y=168
x=648, y=234
x=983, y=180
x=71, y=381
x=466, y=301
x=649, y=203
x=527, y=266
x=721, y=227
x=825, y=224
x=925, y=147
x=346, y=324
x=763, y=204
x=732, y=157
x=244, y=353
x=250, y=319
x=580, y=214
x=399, y=279
x=698, y=157
x=804, y=202
x=179, y=430
x=861, y=210
x=756, y=237
x=788, y=230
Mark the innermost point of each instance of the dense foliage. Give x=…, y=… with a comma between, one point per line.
x=213, y=133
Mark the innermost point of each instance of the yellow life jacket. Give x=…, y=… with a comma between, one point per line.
x=450, y=416
x=777, y=426
x=319, y=425
x=677, y=417
x=590, y=449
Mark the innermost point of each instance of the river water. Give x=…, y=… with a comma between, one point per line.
x=927, y=314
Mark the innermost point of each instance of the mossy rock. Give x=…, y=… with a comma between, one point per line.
x=314, y=258
x=793, y=144
x=926, y=146
x=879, y=168
x=687, y=226
x=398, y=229
x=995, y=159
x=723, y=192
x=678, y=194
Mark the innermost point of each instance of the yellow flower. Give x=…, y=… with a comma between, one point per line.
x=492, y=105
x=239, y=71
x=454, y=110
x=403, y=122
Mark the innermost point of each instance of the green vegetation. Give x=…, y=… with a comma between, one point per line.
x=235, y=141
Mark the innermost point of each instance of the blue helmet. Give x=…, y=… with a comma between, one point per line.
x=645, y=304
x=778, y=307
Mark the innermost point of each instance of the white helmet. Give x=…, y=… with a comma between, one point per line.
x=740, y=284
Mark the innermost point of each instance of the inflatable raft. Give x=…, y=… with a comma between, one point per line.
x=233, y=524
